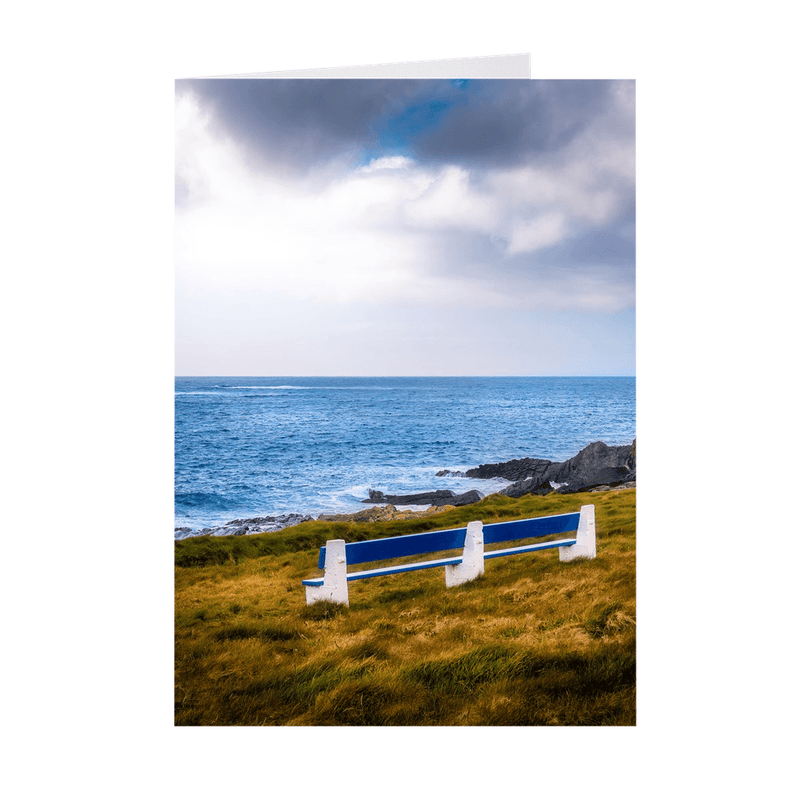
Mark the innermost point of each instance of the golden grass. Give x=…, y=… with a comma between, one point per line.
x=532, y=642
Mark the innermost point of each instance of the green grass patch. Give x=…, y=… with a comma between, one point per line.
x=323, y=609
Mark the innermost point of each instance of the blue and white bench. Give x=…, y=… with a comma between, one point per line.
x=335, y=557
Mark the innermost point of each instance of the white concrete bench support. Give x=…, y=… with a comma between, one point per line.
x=472, y=560
x=585, y=545
x=334, y=587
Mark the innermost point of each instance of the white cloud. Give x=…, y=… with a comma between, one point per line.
x=541, y=232
x=451, y=202
x=389, y=162
x=377, y=234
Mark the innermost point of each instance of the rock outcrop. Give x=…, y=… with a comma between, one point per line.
x=441, y=497
x=595, y=465
x=516, y=470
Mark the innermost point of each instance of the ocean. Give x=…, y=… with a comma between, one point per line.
x=247, y=447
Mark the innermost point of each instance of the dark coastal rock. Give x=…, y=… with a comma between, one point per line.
x=454, y=473
x=467, y=498
x=597, y=464
x=516, y=470
x=375, y=497
x=610, y=477
x=535, y=485
x=441, y=497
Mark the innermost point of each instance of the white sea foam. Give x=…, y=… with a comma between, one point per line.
x=315, y=388
x=214, y=390
x=218, y=389
x=270, y=387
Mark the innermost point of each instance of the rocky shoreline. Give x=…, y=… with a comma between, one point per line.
x=597, y=467
x=243, y=527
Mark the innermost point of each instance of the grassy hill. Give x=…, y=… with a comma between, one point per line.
x=531, y=642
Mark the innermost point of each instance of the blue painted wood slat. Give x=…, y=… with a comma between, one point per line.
x=528, y=528
x=398, y=546
x=528, y=548
x=373, y=573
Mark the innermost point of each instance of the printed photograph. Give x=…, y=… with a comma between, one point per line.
x=405, y=402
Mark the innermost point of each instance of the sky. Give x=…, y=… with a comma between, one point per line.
x=404, y=227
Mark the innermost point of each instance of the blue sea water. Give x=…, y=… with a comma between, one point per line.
x=247, y=447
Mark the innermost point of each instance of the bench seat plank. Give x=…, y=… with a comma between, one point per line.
x=374, y=573
x=528, y=548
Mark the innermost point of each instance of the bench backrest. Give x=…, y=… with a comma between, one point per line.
x=398, y=546
x=529, y=528
x=418, y=543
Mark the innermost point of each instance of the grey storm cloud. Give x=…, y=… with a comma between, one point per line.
x=510, y=122
x=478, y=123
x=299, y=123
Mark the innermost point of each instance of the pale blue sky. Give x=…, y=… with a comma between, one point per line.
x=399, y=227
